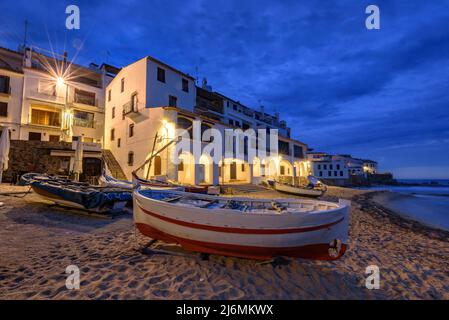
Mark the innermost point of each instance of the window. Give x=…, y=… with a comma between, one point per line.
x=34, y=136
x=319, y=167
x=172, y=101
x=122, y=85
x=161, y=75
x=325, y=166
x=231, y=122
x=4, y=84
x=130, y=158
x=112, y=134
x=75, y=138
x=237, y=123
x=329, y=173
x=45, y=118
x=282, y=171
x=85, y=97
x=3, y=109
x=53, y=138
x=321, y=173
x=341, y=173
x=298, y=152
x=227, y=104
x=243, y=167
x=283, y=147
x=234, y=107
x=335, y=173
x=185, y=85
x=338, y=167
x=331, y=167
x=119, y=141
x=109, y=95
x=131, y=130
x=83, y=119
x=113, y=112
x=181, y=165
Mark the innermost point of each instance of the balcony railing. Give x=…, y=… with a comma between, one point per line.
x=86, y=100
x=83, y=123
x=130, y=108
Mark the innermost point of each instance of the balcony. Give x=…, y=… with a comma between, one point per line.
x=83, y=123
x=131, y=109
x=47, y=96
x=84, y=97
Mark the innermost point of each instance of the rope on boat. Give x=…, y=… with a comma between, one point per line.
x=15, y=193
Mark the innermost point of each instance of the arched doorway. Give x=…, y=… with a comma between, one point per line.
x=186, y=168
x=205, y=174
x=256, y=167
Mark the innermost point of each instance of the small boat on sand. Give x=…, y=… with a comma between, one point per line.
x=108, y=181
x=314, y=189
x=82, y=196
x=244, y=227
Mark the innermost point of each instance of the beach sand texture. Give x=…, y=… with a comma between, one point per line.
x=38, y=242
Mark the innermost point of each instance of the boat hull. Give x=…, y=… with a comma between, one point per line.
x=311, y=235
x=298, y=191
x=44, y=194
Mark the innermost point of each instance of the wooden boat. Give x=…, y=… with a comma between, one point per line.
x=166, y=184
x=297, y=191
x=106, y=180
x=82, y=196
x=244, y=227
x=27, y=178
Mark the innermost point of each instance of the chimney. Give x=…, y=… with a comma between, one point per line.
x=205, y=86
x=65, y=59
x=27, y=58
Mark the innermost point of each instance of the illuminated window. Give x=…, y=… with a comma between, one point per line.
x=45, y=118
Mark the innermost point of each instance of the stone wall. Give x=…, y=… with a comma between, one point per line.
x=34, y=156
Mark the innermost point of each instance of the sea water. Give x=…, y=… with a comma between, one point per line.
x=426, y=204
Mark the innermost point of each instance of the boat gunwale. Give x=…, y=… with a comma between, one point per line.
x=341, y=205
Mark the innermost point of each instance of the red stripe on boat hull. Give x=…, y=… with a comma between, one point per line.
x=240, y=230
x=314, y=251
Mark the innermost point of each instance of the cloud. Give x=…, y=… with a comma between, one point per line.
x=341, y=87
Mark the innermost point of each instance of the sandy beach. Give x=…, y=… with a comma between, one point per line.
x=38, y=241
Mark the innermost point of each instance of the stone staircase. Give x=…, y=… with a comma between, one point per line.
x=113, y=165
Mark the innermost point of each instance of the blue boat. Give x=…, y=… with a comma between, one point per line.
x=82, y=196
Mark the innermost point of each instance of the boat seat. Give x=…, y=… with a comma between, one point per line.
x=172, y=199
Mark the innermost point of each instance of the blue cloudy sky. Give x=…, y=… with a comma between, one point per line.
x=380, y=94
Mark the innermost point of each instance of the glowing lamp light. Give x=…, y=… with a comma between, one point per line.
x=60, y=81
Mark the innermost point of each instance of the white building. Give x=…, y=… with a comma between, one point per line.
x=328, y=167
x=49, y=99
x=149, y=98
x=45, y=99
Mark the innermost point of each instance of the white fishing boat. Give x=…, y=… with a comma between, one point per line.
x=298, y=191
x=314, y=189
x=106, y=180
x=244, y=227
